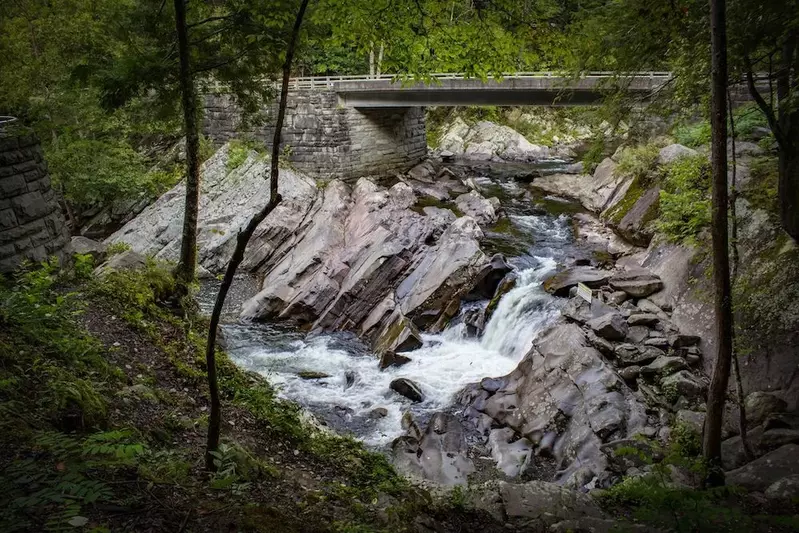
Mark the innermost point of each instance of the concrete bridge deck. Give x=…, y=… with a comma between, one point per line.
x=530, y=88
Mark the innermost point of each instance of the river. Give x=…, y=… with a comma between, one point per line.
x=348, y=386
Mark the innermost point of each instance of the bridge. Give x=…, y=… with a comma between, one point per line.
x=353, y=126
x=526, y=88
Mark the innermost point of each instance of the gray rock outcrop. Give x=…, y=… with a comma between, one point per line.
x=343, y=257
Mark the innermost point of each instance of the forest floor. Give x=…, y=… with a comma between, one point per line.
x=104, y=422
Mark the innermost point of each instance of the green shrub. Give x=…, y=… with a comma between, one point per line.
x=639, y=162
x=595, y=153
x=693, y=135
x=762, y=189
x=748, y=117
x=684, y=199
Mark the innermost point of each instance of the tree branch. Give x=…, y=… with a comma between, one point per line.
x=762, y=104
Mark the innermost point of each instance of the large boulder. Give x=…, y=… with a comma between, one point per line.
x=488, y=279
x=488, y=141
x=127, y=260
x=438, y=455
x=759, y=405
x=610, y=326
x=559, y=284
x=398, y=335
x=673, y=152
x=83, y=246
x=636, y=283
x=635, y=225
x=565, y=399
x=407, y=388
x=473, y=204
x=761, y=473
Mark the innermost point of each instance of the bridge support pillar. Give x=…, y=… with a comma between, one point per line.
x=327, y=140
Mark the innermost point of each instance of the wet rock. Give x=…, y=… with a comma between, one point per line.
x=560, y=283
x=630, y=354
x=511, y=453
x=617, y=297
x=761, y=473
x=664, y=365
x=398, y=335
x=657, y=342
x=759, y=405
x=440, y=455
x=637, y=334
x=83, y=246
x=349, y=378
x=407, y=388
x=642, y=319
x=630, y=373
x=565, y=393
x=605, y=347
x=492, y=384
x=681, y=340
x=393, y=359
x=504, y=287
x=377, y=413
x=473, y=204
x=694, y=420
x=785, y=489
x=578, y=310
x=488, y=279
x=673, y=152
x=683, y=382
x=310, y=374
x=610, y=326
x=636, y=283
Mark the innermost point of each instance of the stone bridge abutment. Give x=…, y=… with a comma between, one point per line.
x=325, y=139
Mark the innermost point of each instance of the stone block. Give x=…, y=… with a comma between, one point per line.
x=8, y=219
x=30, y=206
x=12, y=186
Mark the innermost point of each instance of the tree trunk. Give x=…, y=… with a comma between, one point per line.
x=243, y=238
x=188, y=245
x=721, y=263
x=788, y=189
x=372, y=60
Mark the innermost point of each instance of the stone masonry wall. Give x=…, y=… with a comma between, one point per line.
x=326, y=140
x=31, y=223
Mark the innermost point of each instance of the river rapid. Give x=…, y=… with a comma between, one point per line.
x=338, y=379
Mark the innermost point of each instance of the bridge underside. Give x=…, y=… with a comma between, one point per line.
x=544, y=91
x=465, y=97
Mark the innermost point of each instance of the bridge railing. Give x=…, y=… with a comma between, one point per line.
x=328, y=82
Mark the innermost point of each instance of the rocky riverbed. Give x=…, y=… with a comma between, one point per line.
x=434, y=315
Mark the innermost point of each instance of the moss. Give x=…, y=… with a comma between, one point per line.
x=623, y=206
x=429, y=201
x=762, y=189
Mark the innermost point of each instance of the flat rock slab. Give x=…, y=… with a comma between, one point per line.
x=560, y=283
x=761, y=473
x=636, y=283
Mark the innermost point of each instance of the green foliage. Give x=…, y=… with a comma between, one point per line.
x=684, y=199
x=595, y=153
x=763, y=184
x=117, y=248
x=94, y=173
x=52, y=490
x=693, y=135
x=58, y=372
x=639, y=162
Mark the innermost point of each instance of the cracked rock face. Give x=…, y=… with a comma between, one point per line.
x=564, y=395
x=339, y=257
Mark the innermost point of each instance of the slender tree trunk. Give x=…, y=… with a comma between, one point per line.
x=188, y=246
x=380, y=58
x=736, y=367
x=721, y=263
x=243, y=238
x=788, y=188
x=372, y=60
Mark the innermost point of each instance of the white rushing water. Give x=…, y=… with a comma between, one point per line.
x=442, y=367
